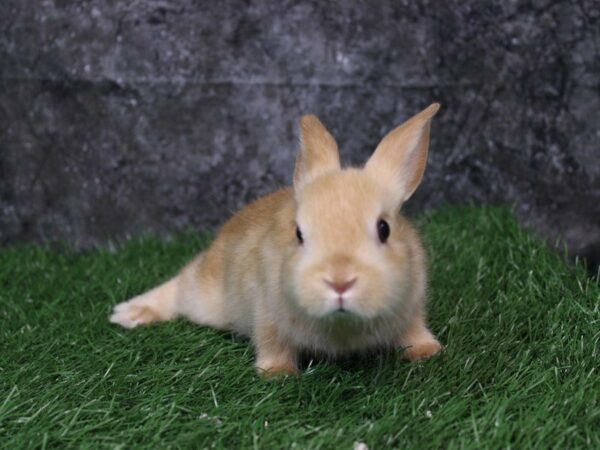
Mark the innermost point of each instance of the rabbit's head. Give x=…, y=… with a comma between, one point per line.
x=352, y=256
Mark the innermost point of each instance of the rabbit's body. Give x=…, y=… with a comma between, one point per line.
x=334, y=287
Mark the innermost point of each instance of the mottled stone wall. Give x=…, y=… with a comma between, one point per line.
x=134, y=115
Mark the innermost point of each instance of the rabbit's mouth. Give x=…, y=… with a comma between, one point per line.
x=343, y=316
x=341, y=310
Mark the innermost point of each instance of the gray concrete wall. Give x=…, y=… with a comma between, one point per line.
x=147, y=115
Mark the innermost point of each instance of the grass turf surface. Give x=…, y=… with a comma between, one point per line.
x=520, y=368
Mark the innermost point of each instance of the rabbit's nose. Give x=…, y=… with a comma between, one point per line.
x=341, y=286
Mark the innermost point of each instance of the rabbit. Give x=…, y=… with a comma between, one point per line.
x=328, y=265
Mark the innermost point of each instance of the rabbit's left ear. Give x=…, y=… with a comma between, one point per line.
x=318, y=153
x=399, y=159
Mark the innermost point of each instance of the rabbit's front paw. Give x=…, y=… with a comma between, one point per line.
x=422, y=350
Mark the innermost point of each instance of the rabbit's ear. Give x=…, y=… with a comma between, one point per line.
x=318, y=152
x=399, y=159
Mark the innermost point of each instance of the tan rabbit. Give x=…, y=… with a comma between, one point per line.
x=329, y=265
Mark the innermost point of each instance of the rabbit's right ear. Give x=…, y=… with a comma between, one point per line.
x=399, y=159
x=318, y=152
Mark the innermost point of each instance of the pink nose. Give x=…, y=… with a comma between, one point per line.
x=341, y=287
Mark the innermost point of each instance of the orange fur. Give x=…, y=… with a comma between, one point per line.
x=258, y=280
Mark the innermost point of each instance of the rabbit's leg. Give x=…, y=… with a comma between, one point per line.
x=156, y=305
x=192, y=294
x=274, y=356
x=416, y=339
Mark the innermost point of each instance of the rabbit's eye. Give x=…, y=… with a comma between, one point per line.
x=383, y=230
x=299, y=235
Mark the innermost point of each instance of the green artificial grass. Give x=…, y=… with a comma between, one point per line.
x=520, y=369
